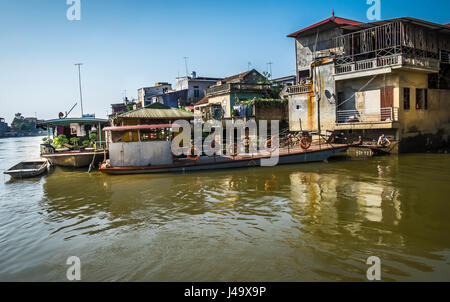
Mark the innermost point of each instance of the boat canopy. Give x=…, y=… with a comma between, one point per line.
x=138, y=127
x=68, y=121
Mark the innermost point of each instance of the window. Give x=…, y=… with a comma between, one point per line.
x=303, y=75
x=406, y=98
x=421, y=99
x=196, y=93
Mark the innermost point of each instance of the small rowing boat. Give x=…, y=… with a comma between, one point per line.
x=27, y=169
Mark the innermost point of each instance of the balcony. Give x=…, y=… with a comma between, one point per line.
x=372, y=118
x=300, y=89
x=392, y=62
x=237, y=87
x=380, y=49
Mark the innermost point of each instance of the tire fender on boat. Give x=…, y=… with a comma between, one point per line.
x=196, y=151
x=273, y=147
x=305, y=142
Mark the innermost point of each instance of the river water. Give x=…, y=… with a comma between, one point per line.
x=307, y=222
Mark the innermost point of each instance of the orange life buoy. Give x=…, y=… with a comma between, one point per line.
x=233, y=147
x=273, y=147
x=360, y=141
x=305, y=142
x=196, y=151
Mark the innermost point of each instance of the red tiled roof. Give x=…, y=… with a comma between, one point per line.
x=336, y=20
x=238, y=76
x=448, y=24
x=202, y=101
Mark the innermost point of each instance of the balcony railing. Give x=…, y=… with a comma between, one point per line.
x=235, y=87
x=387, y=61
x=370, y=115
x=299, y=89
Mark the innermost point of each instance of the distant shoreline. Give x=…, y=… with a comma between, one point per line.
x=16, y=136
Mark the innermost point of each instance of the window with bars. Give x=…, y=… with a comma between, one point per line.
x=421, y=99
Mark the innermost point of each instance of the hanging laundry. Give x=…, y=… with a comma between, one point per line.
x=59, y=130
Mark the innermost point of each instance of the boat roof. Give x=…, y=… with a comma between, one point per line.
x=70, y=120
x=137, y=127
x=157, y=111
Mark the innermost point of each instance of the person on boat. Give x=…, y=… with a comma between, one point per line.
x=383, y=141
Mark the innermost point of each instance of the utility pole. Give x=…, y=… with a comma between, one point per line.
x=186, y=65
x=79, y=82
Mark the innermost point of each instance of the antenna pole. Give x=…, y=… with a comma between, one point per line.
x=269, y=69
x=79, y=82
x=186, y=65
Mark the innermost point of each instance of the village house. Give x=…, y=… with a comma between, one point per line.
x=285, y=81
x=171, y=98
x=364, y=79
x=225, y=96
x=146, y=94
x=194, y=86
x=125, y=106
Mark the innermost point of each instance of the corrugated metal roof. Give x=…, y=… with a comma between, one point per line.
x=69, y=120
x=136, y=127
x=157, y=113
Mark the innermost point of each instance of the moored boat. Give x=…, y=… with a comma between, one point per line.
x=147, y=155
x=69, y=132
x=28, y=169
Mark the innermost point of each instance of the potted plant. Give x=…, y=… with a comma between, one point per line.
x=92, y=138
x=74, y=141
x=60, y=140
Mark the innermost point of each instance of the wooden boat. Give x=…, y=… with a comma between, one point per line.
x=71, y=156
x=27, y=169
x=75, y=159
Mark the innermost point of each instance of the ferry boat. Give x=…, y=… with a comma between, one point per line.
x=79, y=155
x=147, y=149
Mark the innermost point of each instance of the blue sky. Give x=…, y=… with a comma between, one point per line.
x=129, y=44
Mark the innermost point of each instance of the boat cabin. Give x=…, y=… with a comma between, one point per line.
x=139, y=145
x=74, y=142
x=66, y=134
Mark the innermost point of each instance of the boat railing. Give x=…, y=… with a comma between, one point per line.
x=100, y=145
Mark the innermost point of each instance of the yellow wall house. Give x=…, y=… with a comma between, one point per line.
x=389, y=77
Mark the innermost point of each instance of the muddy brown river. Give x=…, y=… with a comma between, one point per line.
x=306, y=222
